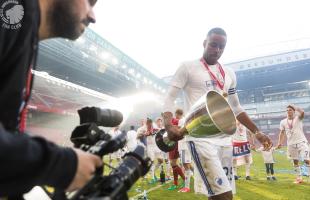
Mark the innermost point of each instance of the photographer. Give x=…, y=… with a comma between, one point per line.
x=26, y=161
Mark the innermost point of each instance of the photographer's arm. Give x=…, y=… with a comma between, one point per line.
x=26, y=162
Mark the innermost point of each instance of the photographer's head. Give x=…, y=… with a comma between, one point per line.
x=66, y=19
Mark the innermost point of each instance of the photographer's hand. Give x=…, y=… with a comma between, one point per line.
x=87, y=164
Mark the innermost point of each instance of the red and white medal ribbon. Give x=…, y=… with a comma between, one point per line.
x=290, y=125
x=213, y=77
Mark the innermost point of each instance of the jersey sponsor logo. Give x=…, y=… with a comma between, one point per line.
x=11, y=14
x=210, y=84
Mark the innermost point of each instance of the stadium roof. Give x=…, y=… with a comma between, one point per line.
x=51, y=94
x=93, y=62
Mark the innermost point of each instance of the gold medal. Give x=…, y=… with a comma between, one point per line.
x=225, y=94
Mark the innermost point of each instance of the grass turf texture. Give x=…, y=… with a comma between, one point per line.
x=256, y=189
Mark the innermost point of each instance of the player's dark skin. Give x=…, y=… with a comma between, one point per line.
x=214, y=46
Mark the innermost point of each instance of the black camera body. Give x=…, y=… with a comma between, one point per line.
x=89, y=137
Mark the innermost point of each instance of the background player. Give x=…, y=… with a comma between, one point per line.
x=174, y=156
x=242, y=142
x=297, y=144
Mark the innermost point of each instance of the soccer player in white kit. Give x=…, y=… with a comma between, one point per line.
x=162, y=157
x=242, y=144
x=186, y=160
x=132, y=140
x=297, y=144
x=212, y=156
x=148, y=131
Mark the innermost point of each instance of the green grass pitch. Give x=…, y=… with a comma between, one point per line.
x=256, y=189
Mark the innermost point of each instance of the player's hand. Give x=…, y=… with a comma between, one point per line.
x=174, y=132
x=252, y=146
x=264, y=140
x=279, y=146
x=87, y=164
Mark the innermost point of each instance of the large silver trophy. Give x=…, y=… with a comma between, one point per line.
x=210, y=116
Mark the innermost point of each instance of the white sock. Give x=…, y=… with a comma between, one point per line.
x=235, y=171
x=157, y=166
x=153, y=171
x=188, y=174
x=308, y=167
x=247, y=169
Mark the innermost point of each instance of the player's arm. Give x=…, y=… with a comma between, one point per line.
x=174, y=132
x=300, y=111
x=242, y=116
x=244, y=119
x=251, y=140
x=281, y=138
x=179, y=80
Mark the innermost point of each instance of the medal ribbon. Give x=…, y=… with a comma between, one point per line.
x=290, y=125
x=213, y=77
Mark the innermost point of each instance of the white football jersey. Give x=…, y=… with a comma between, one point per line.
x=241, y=134
x=293, y=130
x=195, y=81
x=150, y=140
x=132, y=140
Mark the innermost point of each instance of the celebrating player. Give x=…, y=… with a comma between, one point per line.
x=212, y=156
x=297, y=144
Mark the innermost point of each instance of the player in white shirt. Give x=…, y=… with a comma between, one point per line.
x=162, y=157
x=269, y=161
x=212, y=156
x=132, y=140
x=186, y=160
x=149, y=132
x=297, y=144
x=158, y=153
x=243, y=141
